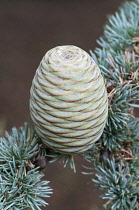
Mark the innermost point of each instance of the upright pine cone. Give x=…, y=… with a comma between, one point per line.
x=68, y=102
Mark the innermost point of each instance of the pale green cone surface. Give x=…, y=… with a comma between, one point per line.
x=68, y=102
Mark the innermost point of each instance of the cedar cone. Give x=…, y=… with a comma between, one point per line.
x=68, y=102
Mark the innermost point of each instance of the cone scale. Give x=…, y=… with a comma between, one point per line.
x=68, y=102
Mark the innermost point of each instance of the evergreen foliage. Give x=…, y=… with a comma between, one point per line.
x=21, y=185
x=115, y=155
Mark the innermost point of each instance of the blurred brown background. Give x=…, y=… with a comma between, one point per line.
x=27, y=30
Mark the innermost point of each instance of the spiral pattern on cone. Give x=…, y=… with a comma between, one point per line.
x=68, y=102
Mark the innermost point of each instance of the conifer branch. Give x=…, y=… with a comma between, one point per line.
x=115, y=155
